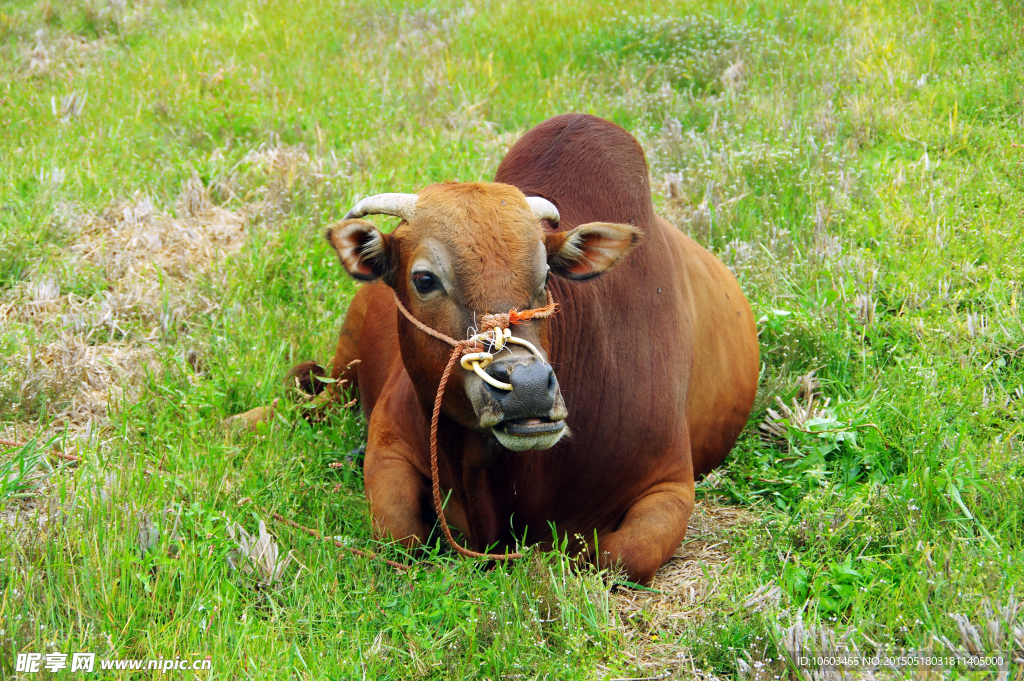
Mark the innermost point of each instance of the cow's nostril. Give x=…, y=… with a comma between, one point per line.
x=500, y=371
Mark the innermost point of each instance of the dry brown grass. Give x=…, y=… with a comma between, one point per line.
x=56, y=54
x=684, y=588
x=83, y=353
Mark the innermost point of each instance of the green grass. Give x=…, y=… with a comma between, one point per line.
x=860, y=166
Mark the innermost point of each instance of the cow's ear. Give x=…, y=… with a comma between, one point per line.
x=365, y=252
x=590, y=249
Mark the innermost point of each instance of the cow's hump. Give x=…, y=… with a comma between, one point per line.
x=590, y=168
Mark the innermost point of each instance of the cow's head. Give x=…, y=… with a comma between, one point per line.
x=465, y=250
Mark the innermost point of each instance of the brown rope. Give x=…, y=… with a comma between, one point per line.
x=489, y=321
x=313, y=533
x=423, y=327
x=13, y=444
x=366, y=554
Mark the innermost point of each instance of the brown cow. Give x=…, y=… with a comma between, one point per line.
x=655, y=361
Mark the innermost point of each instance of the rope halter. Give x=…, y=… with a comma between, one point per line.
x=496, y=335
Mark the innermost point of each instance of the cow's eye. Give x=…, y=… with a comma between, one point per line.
x=424, y=282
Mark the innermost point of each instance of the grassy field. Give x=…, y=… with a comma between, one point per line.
x=167, y=168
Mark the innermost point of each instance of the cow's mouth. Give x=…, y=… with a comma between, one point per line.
x=532, y=432
x=532, y=425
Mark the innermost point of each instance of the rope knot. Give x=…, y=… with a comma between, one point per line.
x=495, y=321
x=503, y=320
x=470, y=346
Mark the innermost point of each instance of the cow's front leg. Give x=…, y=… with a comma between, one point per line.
x=397, y=493
x=650, y=533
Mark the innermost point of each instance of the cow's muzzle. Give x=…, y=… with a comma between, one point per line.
x=518, y=399
x=532, y=414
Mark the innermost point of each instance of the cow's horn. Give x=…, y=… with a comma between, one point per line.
x=400, y=205
x=542, y=208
